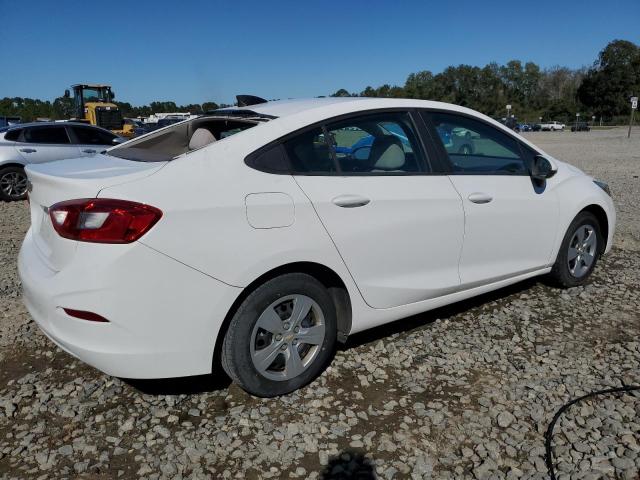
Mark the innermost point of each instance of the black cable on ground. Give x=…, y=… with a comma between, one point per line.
x=548, y=436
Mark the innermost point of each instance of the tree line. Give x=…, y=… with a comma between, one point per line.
x=555, y=93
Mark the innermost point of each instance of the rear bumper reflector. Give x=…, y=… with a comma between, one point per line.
x=81, y=314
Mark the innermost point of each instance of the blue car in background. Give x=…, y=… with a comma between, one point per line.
x=361, y=149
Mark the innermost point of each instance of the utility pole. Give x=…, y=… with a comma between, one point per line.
x=634, y=107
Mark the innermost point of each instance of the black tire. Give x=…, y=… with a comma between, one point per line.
x=8, y=176
x=560, y=274
x=236, y=355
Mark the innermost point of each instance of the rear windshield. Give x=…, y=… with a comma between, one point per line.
x=184, y=137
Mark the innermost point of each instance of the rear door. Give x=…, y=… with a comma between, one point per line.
x=45, y=143
x=397, y=225
x=510, y=222
x=90, y=140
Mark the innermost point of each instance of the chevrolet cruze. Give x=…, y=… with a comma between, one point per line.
x=260, y=236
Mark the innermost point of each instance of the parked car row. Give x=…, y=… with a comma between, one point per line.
x=29, y=143
x=145, y=128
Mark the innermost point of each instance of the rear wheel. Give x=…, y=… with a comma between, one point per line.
x=579, y=251
x=281, y=337
x=13, y=184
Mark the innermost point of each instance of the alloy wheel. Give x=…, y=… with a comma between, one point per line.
x=287, y=337
x=582, y=250
x=13, y=184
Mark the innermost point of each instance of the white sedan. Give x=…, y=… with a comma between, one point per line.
x=26, y=143
x=257, y=237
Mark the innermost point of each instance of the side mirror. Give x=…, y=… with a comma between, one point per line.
x=66, y=94
x=112, y=96
x=541, y=169
x=118, y=140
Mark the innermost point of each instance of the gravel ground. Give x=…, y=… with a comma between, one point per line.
x=462, y=392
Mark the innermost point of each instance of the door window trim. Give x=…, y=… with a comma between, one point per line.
x=428, y=160
x=526, y=152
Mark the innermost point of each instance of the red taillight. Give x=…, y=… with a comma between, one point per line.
x=103, y=220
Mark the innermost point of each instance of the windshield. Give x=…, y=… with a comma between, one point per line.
x=98, y=94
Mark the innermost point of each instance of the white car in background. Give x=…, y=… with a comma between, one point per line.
x=23, y=144
x=243, y=237
x=552, y=126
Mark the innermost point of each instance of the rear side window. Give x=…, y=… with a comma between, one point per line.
x=476, y=148
x=13, y=135
x=309, y=152
x=47, y=135
x=92, y=136
x=272, y=160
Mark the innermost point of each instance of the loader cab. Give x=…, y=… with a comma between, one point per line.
x=94, y=104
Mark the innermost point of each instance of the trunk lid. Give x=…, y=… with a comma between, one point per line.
x=54, y=182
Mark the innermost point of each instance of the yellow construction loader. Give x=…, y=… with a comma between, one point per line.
x=94, y=104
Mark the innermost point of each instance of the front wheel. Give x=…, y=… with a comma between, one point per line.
x=281, y=337
x=578, y=255
x=13, y=184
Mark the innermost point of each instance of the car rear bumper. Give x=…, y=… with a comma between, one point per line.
x=164, y=317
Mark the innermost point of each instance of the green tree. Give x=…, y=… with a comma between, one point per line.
x=614, y=77
x=341, y=93
x=208, y=106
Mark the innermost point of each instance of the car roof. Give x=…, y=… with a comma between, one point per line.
x=290, y=107
x=290, y=115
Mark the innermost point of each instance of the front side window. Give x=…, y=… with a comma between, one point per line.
x=47, y=135
x=476, y=148
x=92, y=136
x=373, y=144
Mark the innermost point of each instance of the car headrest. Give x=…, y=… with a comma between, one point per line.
x=387, y=153
x=201, y=138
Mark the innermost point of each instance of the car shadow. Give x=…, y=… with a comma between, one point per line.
x=181, y=385
x=349, y=465
x=422, y=319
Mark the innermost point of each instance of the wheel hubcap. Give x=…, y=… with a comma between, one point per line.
x=287, y=337
x=582, y=250
x=13, y=184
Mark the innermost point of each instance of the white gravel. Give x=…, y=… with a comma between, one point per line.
x=462, y=392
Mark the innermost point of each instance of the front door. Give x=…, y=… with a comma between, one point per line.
x=510, y=223
x=91, y=140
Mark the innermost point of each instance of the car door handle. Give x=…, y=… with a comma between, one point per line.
x=88, y=150
x=350, y=201
x=28, y=150
x=479, y=197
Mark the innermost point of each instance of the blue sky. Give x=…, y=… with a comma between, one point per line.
x=196, y=51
